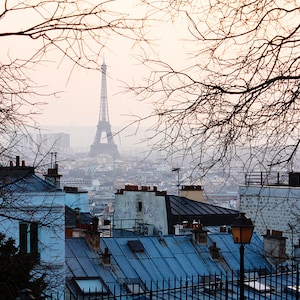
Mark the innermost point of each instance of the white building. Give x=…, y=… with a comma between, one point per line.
x=141, y=209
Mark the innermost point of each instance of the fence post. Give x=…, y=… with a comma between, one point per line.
x=186, y=287
x=297, y=283
x=226, y=285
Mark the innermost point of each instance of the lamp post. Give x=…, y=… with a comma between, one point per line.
x=242, y=230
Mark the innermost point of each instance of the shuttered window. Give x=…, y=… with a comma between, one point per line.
x=29, y=238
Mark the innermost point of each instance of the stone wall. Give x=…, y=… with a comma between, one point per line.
x=273, y=208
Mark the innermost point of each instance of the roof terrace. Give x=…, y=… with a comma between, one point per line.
x=273, y=178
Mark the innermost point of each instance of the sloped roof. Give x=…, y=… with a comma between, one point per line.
x=28, y=183
x=254, y=252
x=159, y=259
x=83, y=262
x=208, y=214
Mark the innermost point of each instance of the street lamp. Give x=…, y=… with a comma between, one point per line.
x=242, y=230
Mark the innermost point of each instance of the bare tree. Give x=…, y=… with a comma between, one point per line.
x=236, y=99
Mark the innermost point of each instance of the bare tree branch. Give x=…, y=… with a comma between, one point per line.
x=239, y=88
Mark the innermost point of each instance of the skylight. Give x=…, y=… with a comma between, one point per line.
x=135, y=246
x=90, y=285
x=258, y=286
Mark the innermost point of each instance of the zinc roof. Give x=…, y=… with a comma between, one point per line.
x=209, y=215
x=28, y=183
x=162, y=258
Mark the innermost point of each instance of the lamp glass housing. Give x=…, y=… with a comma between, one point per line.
x=242, y=229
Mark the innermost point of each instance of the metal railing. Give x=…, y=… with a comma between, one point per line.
x=259, y=284
x=266, y=178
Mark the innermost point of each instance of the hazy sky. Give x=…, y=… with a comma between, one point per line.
x=78, y=103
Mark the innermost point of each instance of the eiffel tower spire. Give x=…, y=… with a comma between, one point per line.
x=103, y=142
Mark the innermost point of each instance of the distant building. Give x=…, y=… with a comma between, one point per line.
x=58, y=142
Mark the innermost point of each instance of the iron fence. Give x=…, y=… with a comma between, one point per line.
x=259, y=284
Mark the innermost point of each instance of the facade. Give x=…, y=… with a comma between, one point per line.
x=77, y=198
x=141, y=210
x=272, y=201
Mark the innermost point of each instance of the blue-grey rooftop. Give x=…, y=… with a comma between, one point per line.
x=208, y=214
x=27, y=183
x=160, y=261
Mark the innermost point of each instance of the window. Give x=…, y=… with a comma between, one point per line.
x=140, y=206
x=29, y=238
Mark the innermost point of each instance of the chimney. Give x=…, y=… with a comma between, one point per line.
x=199, y=234
x=193, y=192
x=275, y=246
x=17, y=161
x=53, y=177
x=214, y=251
x=297, y=252
x=106, y=257
x=223, y=229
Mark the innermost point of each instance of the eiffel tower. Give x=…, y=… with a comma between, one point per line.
x=106, y=145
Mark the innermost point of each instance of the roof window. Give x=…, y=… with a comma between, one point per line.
x=135, y=246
